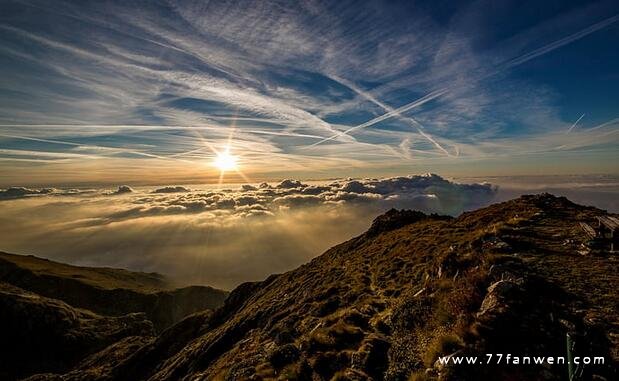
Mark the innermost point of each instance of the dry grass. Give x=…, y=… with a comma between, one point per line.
x=418, y=287
x=101, y=277
x=441, y=346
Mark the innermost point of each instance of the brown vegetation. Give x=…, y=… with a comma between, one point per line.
x=385, y=305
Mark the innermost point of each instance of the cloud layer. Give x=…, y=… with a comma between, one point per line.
x=21, y=192
x=219, y=236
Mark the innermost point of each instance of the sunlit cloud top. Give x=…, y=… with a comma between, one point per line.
x=212, y=235
x=147, y=91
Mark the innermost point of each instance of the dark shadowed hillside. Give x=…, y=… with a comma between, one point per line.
x=99, y=277
x=108, y=291
x=43, y=334
x=510, y=278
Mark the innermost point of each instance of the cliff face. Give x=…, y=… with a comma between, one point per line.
x=387, y=304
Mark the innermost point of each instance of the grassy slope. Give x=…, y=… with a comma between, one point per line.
x=109, y=291
x=40, y=334
x=386, y=305
x=503, y=279
x=100, y=277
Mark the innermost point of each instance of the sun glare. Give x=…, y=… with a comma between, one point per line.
x=225, y=161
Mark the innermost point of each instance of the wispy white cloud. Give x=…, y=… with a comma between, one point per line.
x=178, y=75
x=521, y=59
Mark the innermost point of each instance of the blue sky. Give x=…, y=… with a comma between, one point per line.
x=149, y=91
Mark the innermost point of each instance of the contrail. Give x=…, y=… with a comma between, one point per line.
x=507, y=65
x=575, y=123
x=92, y=146
x=160, y=127
x=406, y=107
x=559, y=43
x=290, y=134
x=605, y=124
x=389, y=109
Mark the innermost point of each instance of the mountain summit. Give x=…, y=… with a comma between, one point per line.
x=513, y=278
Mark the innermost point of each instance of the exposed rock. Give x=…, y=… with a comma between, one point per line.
x=496, y=244
x=498, y=297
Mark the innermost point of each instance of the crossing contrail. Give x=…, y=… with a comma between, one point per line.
x=398, y=111
x=388, y=108
x=500, y=68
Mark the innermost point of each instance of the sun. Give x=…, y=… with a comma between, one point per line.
x=225, y=161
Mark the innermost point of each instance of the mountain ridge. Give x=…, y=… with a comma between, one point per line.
x=507, y=278
x=108, y=291
x=100, y=277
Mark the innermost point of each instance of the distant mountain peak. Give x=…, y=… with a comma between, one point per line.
x=395, y=219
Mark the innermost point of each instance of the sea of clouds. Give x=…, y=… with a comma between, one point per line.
x=220, y=237
x=214, y=236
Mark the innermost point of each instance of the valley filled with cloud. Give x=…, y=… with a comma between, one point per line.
x=223, y=236
x=217, y=236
